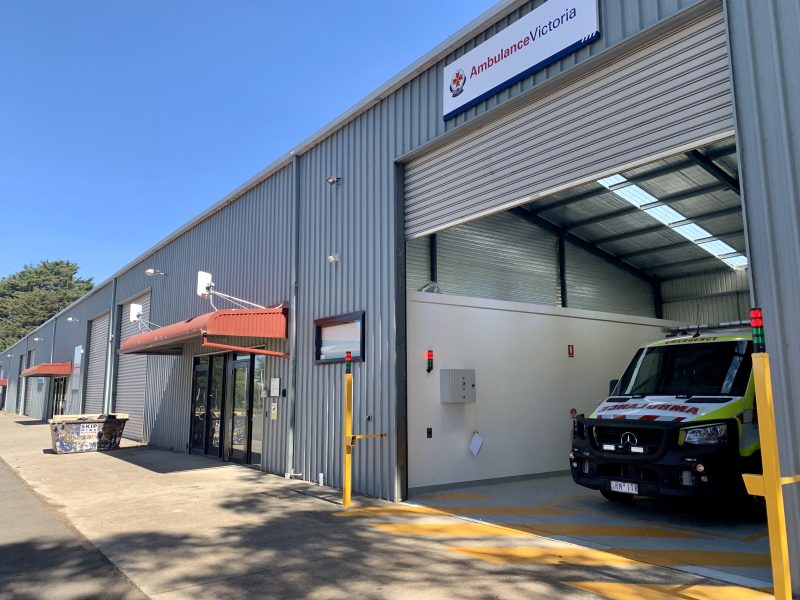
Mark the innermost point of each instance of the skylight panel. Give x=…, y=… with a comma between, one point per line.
x=717, y=248
x=666, y=215
x=692, y=232
x=737, y=262
x=613, y=180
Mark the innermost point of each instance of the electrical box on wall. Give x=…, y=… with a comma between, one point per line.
x=457, y=386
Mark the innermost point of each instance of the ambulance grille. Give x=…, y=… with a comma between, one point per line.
x=649, y=438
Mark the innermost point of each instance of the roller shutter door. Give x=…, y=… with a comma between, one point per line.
x=132, y=373
x=671, y=94
x=26, y=407
x=96, y=365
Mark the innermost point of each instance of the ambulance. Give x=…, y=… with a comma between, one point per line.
x=681, y=421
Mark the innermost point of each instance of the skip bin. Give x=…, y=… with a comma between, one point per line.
x=86, y=433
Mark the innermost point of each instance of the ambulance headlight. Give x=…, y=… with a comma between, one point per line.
x=708, y=435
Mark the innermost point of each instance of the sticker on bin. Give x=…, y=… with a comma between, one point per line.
x=89, y=429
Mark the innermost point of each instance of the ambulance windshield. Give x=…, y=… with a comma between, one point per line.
x=689, y=369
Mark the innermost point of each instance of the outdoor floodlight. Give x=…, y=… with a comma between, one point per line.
x=334, y=180
x=153, y=272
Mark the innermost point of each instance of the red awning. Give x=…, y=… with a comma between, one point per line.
x=251, y=323
x=3, y=382
x=48, y=370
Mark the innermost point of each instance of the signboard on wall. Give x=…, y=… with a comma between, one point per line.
x=543, y=36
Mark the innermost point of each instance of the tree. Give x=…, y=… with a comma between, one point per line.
x=31, y=296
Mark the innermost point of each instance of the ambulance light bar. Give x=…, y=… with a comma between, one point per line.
x=697, y=327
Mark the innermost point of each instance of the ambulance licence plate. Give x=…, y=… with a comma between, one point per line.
x=624, y=487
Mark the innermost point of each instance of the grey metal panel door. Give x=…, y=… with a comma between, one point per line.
x=96, y=367
x=672, y=94
x=132, y=373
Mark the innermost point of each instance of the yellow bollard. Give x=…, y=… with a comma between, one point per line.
x=347, y=484
x=770, y=485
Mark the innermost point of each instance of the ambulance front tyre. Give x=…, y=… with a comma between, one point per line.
x=616, y=496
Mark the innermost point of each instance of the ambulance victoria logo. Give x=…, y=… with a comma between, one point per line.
x=457, y=82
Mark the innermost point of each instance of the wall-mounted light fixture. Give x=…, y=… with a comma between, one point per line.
x=429, y=366
x=38, y=339
x=153, y=272
x=73, y=320
x=334, y=258
x=334, y=180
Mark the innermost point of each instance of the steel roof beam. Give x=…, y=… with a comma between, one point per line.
x=655, y=228
x=665, y=201
x=686, y=263
x=708, y=165
x=679, y=245
x=582, y=243
x=722, y=267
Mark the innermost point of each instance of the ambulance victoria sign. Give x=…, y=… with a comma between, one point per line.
x=555, y=29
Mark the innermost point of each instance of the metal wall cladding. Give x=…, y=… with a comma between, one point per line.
x=710, y=298
x=131, y=385
x=96, y=365
x=357, y=220
x=765, y=56
x=418, y=266
x=501, y=257
x=247, y=246
x=671, y=93
x=594, y=284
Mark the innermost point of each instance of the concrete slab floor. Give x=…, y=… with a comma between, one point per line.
x=182, y=526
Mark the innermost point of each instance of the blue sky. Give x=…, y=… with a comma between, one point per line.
x=145, y=113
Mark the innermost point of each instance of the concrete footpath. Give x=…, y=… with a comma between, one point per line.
x=181, y=526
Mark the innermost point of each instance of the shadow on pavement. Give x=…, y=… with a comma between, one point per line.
x=161, y=461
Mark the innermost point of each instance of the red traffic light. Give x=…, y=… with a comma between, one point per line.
x=348, y=357
x=756, y=318
x=430, y=354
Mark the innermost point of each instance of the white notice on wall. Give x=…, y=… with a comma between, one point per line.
x=275, y=387
x=476, y=443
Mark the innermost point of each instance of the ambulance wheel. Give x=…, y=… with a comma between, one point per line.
x=616, y=496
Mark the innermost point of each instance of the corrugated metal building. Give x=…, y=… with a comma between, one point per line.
x=518, y=197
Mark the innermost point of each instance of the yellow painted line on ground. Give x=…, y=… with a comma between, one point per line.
x=454, y=496
x=449, y=529
x=689, y=530
x=546, y=556
x=409, y=510
x=633, y=591
x=511, y=529
x=399, y=510
x=584, y=530
x=502, y=510
x=700, y=558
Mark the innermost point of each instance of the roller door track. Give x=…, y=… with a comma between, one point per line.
x=96, y=369
x=132, y=374
x=675, y=93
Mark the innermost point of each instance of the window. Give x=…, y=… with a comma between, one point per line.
x=335, y=336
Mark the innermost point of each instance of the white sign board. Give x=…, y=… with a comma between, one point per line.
x=275, y=387
x=543, y=36
x=204, y=281
x=135, y=312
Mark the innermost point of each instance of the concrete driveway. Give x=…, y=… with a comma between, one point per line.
x=182, y=526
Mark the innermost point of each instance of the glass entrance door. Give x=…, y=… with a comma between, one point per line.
x=239, y=413
x=59, y=395
x=199, y=405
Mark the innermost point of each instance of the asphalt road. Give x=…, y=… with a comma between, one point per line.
x=43, y=557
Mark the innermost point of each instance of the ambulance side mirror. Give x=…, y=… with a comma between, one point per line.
x=612, y=385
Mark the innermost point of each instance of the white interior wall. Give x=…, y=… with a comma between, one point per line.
x=526, y=384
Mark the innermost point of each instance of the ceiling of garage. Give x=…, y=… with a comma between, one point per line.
x=675, y=217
